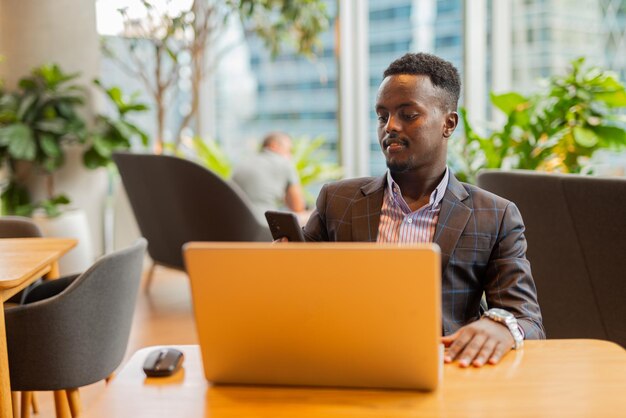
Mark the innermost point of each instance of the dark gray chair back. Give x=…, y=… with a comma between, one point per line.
x=18, y=227
x=79, y=336
x=575, y=227
x=176, y=201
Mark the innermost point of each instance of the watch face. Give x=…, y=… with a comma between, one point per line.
x=501, y=313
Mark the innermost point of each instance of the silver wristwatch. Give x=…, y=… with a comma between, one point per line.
x=507, y=318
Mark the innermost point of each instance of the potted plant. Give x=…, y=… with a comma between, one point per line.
x=42, y=117
x=38, y=122
x=35, y=122
x=557, y=129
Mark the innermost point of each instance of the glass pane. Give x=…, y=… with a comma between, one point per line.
x=400, y=26
x=246, y=95
x=288, y=93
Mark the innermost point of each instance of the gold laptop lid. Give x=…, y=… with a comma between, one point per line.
x=318, y=314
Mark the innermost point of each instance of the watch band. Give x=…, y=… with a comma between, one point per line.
x=518, y=338
x=507, y=319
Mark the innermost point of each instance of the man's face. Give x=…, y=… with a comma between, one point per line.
x=282, y=146
x=413, y=127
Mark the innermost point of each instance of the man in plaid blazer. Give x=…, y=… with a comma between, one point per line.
x=481, y=235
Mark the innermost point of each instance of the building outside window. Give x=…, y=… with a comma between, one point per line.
x=251, y=94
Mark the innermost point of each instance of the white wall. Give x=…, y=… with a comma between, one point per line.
x=34, y=32
x=1, y=32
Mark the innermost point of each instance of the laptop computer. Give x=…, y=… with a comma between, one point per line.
x=318, y=314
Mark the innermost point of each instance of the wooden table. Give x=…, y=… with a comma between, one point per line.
x=573, y=378
x=23, y=261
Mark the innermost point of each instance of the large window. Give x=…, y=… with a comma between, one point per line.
x=251, y=94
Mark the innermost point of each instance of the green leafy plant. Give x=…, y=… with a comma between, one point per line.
x=312, y=164
x=112, y=134
x=557, y=129
x=40, y=118
x=34, y=123
x=207, y=153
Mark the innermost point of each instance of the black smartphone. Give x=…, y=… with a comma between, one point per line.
x=163, y=362
x=284, y=224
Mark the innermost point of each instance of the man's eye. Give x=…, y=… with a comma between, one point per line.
x=410, y=116
x=382, y=118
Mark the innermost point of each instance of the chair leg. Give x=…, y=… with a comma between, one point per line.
x=74, y=400
x=27, y=399
x=15, y=402
x=35, y=403
x=150, y=277
x=109, y=378
x=60, y=404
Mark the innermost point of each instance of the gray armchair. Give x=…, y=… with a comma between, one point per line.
x=21, y=227
x=576, y=232
x=18, y=227
x=176, y=201
x=78, y=336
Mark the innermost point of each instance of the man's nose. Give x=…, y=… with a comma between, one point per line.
x=392, y=126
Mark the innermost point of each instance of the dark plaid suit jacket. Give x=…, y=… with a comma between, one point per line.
x=481, y=236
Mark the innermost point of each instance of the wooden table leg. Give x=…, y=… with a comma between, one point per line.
x=6, y=408
x=15, y=401
x=54, y=271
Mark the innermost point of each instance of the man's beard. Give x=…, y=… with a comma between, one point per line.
x=400, y=166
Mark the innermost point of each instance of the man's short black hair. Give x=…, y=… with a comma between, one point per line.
x=442, y=74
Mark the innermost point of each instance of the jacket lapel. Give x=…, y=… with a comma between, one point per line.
x=453, y=217
x=366, y=210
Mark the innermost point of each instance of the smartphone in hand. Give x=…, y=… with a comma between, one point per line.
x=284, y=225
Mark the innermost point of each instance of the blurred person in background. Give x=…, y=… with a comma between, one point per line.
x=269, y=178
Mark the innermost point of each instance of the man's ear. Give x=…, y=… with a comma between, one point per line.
x=451, y=121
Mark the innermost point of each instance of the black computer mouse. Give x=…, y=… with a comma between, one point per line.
x=163, y=362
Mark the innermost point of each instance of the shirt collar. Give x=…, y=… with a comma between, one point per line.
x=435, y=197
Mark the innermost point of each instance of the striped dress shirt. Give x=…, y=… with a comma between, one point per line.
x=399, y=224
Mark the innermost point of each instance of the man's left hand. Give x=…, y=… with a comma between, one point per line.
x=477, y=343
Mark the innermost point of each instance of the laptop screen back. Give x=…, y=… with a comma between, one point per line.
x=318, y=314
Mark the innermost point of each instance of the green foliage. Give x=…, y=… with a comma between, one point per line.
x=51, y=206
x=207, y=153
x=296, y=22
x=37, y=119
x=311, y=161
x=311, y=164
x=112, y=134
x=35, y=122
x=43, y=115
x=557, y=129
x=16, y=200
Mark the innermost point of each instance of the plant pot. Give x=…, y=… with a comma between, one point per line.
x=72, y=223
